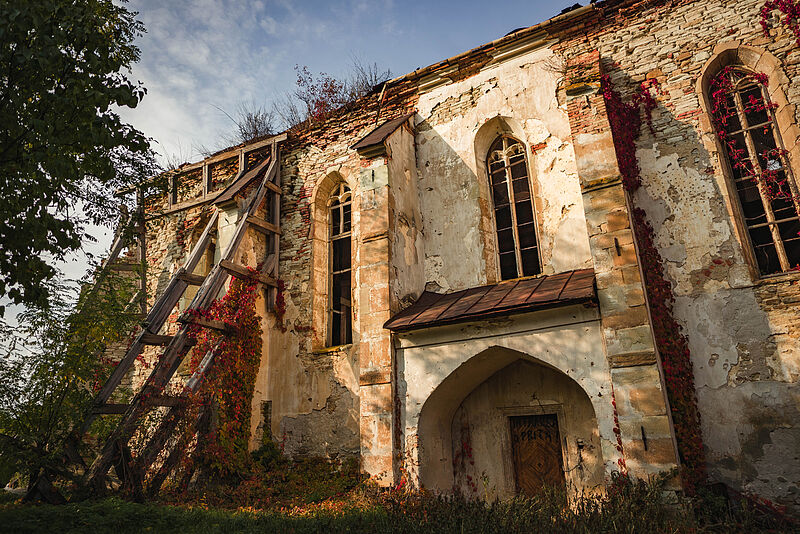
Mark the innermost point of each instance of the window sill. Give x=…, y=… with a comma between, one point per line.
x=332, y=350
x=777, y=278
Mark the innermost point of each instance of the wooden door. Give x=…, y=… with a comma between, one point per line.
x=536, y=450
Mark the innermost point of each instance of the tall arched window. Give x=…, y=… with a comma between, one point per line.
x=759, y=168
x=512, y=198
x=341, y=322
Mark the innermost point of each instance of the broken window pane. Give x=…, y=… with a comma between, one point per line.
x=764, y=184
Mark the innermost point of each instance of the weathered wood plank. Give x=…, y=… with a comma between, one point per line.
x=274, y=188
x=192, y=279
x=261, y=224
x=242, y=272
x=111, y=409
x=206, y=323
x=154, y=339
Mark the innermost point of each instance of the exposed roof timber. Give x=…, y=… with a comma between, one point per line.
x=227, y=154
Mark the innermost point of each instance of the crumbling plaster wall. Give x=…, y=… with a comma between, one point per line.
x=454, y=198
x=313, y=388
x=482, y=448
x=440, y=367
x=407, y=278
x=743, y=332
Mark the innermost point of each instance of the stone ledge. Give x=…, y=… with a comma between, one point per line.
x=632, y=359
x=601, y=183
x=375, y=377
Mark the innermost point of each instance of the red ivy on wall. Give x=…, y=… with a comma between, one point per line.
x=230, y=382
x=790, y=9
x=722, y=112
x=673, y=346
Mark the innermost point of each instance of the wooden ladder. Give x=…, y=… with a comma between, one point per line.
x=116, y=452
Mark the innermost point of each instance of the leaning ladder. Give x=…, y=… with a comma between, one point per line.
x=116, y=452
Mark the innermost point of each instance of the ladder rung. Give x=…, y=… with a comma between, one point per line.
x=154, y=400
x=192, y=279
x=165, y=400
x=263, y=225
x=155, y=339
x=206, y=323
x=119, y=266
x=275, y=188
x=240, y=271
x=111, y=409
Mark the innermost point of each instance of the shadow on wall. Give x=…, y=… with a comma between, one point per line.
x=749, y=416
x=456, y=205
x=467, y=414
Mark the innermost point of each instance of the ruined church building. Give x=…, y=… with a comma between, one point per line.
x=463, y=256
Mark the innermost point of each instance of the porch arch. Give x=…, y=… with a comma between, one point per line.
x=435, y=423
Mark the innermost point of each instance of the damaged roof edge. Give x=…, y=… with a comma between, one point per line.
x=378, y=135
x=506, y=39
x=416, y=74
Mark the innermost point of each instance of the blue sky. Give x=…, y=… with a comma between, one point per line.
x=201, y=55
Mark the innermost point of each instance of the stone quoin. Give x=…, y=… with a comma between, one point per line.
x=496, y=331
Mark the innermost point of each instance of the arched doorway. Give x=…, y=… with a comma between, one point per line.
x=505, y=423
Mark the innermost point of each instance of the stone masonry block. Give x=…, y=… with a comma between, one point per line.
x=628, y=318
x=376, y=399
x=659, y=451
x=638, y=338
x=618, y=220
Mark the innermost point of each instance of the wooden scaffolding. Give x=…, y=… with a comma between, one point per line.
x=131, y=468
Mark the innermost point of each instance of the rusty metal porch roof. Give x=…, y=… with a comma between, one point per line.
x=507, y=297
x=381, y=133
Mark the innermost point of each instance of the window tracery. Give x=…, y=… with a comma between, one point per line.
x=340, y=303
x=512, y=199
x=758, y=167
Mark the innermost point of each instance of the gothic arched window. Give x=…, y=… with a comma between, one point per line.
x=340, y=304
x=759, y=168
x=514, y=216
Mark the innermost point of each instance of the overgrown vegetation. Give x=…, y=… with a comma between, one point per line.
x=51, y=366
x=627, y=506
x=64, y=149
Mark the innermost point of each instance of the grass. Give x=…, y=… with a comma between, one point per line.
x=122, y=517
x=315, y=495
x=628, y=507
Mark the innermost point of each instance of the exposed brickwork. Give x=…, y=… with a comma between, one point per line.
x=743, y=331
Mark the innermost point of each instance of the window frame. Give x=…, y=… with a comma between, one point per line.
x=752, y=155
x=508, y=142
x=342, y=196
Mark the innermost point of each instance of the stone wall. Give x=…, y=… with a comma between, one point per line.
x=741, y=329
x=430, y=222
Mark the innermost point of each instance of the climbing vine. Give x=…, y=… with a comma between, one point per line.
x=724, y=116
x=222, y=448
x=673, y=346
x=790, y=9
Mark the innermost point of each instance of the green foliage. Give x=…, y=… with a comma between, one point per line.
x=268, y=456
x=629, y=507
x=63, y=147
x=52, y=366
x=275, y=481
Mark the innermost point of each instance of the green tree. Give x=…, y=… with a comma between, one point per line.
x=64, y=150
x=51, y=366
